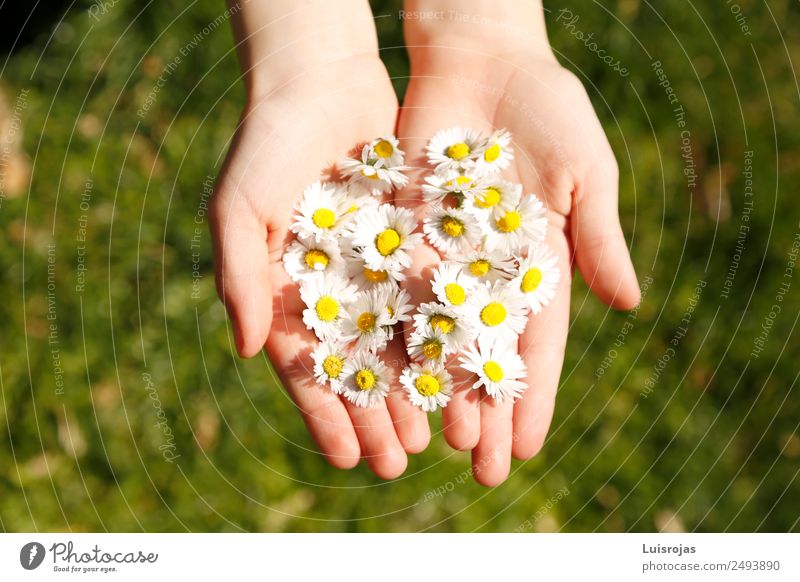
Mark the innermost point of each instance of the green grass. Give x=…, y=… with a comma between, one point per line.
x=714, y=446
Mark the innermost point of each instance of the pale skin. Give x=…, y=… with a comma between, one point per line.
x=316, y=88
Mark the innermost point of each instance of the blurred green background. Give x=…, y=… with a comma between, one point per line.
x=124, y=408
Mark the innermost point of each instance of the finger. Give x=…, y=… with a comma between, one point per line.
x=380, y=445
x=600, y=249
x=410, y=422
x=491, y=458
x=241, y=261
x=542, y=348
x=289, y=347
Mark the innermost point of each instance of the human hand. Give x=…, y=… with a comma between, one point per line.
x=561, y=155
x=295, y=126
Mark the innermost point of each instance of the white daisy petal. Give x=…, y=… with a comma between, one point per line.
x=365, y=380
x=499, y=369
x=437, y=188
x=429, y=386
x=537, y=277
x=307, y=257
x=499, y=312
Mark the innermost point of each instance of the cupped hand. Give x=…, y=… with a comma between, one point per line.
x=286, y=140
x=562, y=156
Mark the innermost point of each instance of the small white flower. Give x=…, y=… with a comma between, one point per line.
x=495, y=153
x=436, y=188
x=499, y=312
x=322, y=211
x=358, y=198
x=486, y=267
x=385, y=236
x=455, y=327
x=365, y=278
x=371, y=174
x=451, y=285
x=398, y=305
x=428, y=386
x=453, y=150
x=385, y=151
x=537, y=277
x=499, y=370
x=452, y=231
x=428, y=344
x=307, y=257
x=329, y=359
x=492, y=194
x=511, y=231
x=366, y=319
x=365, y=380
x=326, y=298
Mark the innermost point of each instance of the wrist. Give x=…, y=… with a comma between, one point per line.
x=484, y=27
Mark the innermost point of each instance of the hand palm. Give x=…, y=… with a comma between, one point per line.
x=558, y=145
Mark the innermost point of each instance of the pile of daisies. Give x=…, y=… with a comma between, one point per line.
x=351, y=252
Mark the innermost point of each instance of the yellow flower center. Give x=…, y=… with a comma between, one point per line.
x=327, y=308
x=479, y=268
x=431, y=349
x=455, y=293
x=316, y=258
x=387, y=242
x=452, y=226
x=493, y=314
x=332, y=365
x=375, y=276
x=493, y=371
x=488, y=199
x=384, y=149
x=458, y=151
x=492, y=153
x=323, y=218
x=443, y=323
x=365, y=380
x=531, y=280
x=463, y=180
x=390, y=311
x=366, y=322
x=510, y=221
x=427, y=385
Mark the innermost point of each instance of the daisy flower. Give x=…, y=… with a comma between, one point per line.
x=365, y=320
x=428, y=386
x=358, y=198
x=537, y=277
x=386, y=152
x=495, y=154
x=307, y=257
x=486, y=267
x=398, y=305
x=436, y=188
x=499, y=311
x=364, y=381
x=371, y=175
x=499, y=370
x=513, y=230
x=326, y=298
x=385, y=236
x=491, y=194
x=452, y=231
x=453, y=150
x=329, y=359
x=451, y=285
x=455, y=328
x=427, y=344
x=365, y=278
x=321, y=211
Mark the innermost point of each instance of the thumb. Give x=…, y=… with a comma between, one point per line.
x=241, y=264
x=600, y=249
